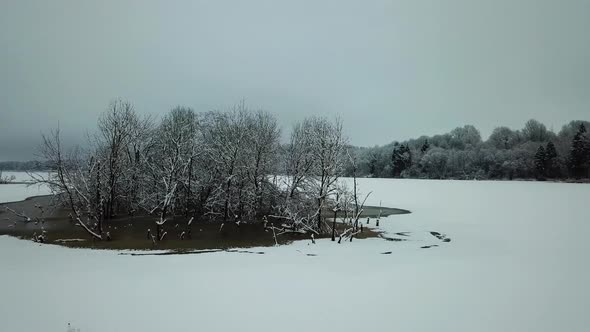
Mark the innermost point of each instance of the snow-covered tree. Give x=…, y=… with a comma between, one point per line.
x=298, y=159
x=115, y=129
x=540, y=162
x=262, y=147
x=580, y=153
x=434, y=162
x=327, y=153
x=173, y=149
x=535, y=131
x=315, y=159
x=464, y=137
x=401, y=159
x=70, y=180
x=504, y=138
x=425, y=146
x=226, y=136
x=551, y=160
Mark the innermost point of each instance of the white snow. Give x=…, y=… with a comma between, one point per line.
x=518, y=261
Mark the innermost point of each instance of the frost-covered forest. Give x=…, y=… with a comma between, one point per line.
x=533, y=152
x=225, y=166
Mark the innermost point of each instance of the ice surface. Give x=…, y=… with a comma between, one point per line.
x=20, y=176
x=18, y=192
x=517, y=261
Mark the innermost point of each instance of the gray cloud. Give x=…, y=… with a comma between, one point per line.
x=391, y=69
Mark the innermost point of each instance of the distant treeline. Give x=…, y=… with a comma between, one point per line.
x=533, y=152
x=24, y=166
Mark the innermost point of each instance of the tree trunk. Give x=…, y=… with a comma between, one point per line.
x=334, y=221
x=226, y=203
x=188, y=194
x=319, y=215
x=98, y=210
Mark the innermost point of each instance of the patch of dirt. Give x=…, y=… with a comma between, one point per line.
x=430, y=246
x=440, y=236
x=130, y=232
x=393, y=239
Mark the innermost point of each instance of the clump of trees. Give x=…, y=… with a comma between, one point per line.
x=6, y=178
x=220, y=166
x=533, y=152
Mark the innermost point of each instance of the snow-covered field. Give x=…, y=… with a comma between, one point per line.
x=518, y=261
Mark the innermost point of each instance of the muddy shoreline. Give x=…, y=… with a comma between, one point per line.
x=131, y=232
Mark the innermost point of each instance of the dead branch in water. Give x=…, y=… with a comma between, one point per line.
x=21, y=215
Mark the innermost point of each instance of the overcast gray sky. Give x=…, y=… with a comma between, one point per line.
x=391, y=69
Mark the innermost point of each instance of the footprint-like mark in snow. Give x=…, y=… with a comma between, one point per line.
x=430, y=246
x=441, y=237
x=394, y=239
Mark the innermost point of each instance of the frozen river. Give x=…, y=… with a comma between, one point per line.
x=517, y=261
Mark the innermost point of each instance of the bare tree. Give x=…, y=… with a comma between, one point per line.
x=314, y=163
x=298, y=158
x=226, y=136
x=327, y=148
x=6, y=179
x=115, y=128
x=134, y=175
x=70, y=181
x=173, y=150
x=262, y=147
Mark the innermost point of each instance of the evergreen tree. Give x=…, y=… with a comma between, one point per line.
x=540, y=160
x=373, y=164
x=407, y=157
x=425, y=146
x=401, y=159
x=579, y=153
x=551, y=166
x=395, y=160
